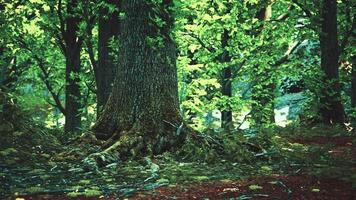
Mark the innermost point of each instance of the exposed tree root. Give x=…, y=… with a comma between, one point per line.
x=140, y=141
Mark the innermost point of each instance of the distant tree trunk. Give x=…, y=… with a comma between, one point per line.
x=141, y=116
x=353, y=82
x=105, y=71
x=226, y=79
x=72, y=54
x=262, y=110
x=7, y=70
x=331, y=109
x=353, y=85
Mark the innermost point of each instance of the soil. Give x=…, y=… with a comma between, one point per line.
x=274, y=187
x=341, y=141
x=340, y=144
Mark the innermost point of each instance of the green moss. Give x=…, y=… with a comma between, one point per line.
x=200, y=178
x=46, y=155
x=162, y=180
x=8, y=152
x=90, y=192
x=33, y=190
x=255, y=187
x=74, y=194
x=84, y=182
x=45, y=177
x=38, y=171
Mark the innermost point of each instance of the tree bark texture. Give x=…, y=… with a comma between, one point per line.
x=226, y=80
x=353, y=89
x=72, y=54
x=142, y=114
x=353, y=82
x=105, y=71
x=331, y=107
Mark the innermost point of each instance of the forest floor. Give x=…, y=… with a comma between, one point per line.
x=315, y=166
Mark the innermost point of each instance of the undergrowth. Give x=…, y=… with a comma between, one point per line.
x=33, y=160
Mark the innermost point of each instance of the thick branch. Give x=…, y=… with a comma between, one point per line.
x=61, y=19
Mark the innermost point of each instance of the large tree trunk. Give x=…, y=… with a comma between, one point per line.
x=142, y=114
x=226, y=79
x=262, y=110
x=331, y=108
x=72, y=54
x=105, y=72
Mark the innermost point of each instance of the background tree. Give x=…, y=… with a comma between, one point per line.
x=105, y=70
x=72, y=47
x=332, y=110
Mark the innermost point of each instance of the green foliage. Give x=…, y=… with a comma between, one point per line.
x=262, y=53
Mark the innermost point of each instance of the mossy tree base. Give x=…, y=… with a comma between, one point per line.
x=141, y=141
x=141, y=116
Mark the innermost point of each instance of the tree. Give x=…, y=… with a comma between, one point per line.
x=105, y=71
x=262, y=110
x=331, y=110
x=73, y=43
x=142, y=113
x=226, y=80
x=7, y=60
x=353, y=83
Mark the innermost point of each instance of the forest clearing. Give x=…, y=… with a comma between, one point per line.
x=177, y=99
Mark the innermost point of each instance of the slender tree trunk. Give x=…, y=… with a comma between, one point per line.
x=72, y=54
x=7, y=70
x=262, y=110
x=331, y=108
x=142, y=114
x=353, y=82
x=353, y=86
x=226, y=79
x=105, y=72
x=5, y=60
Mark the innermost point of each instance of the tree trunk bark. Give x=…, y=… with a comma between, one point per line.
x=105, y=72
x=72, y=54
x=226, y=79
x=331, y=107
x=353, y=86
x=353, y=82
x=141, y=116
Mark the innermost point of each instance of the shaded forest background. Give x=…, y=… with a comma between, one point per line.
x=238, y=62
